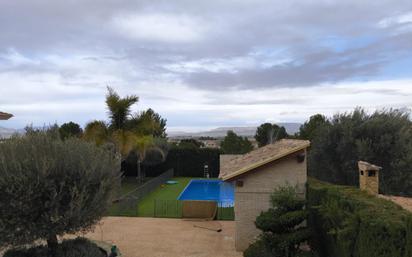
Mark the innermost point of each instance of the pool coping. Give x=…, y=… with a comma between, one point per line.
x=184, y=189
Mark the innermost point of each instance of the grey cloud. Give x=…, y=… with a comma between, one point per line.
x=295, y=100
x=234, y=29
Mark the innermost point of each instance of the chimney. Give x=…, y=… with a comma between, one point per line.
x=369, y=177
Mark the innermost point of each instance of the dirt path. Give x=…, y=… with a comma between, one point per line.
x=404, y=202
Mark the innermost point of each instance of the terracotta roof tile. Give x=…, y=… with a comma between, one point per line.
x=261, y=156
x=5, y=116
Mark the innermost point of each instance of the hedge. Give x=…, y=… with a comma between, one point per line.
x=185, y=163
x=347, y=222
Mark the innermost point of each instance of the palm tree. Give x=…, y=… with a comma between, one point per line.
x=141, y=145
x=119, y=108
x=129, y=135
x=96, y=131
x=148, y=122
x=124, y=141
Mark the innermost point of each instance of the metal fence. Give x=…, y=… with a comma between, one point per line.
x=173, y=209
x=168, y=208
x=127, y=205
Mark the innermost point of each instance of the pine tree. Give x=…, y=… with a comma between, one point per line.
x=281, y=225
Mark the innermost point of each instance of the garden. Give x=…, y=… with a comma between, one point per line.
x=341, y=221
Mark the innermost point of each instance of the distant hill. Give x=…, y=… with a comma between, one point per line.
x=291, y=128
x=7, y=132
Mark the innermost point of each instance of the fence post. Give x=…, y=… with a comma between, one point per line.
x=154, y=209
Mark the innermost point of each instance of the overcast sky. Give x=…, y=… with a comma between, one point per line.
x=203, y=64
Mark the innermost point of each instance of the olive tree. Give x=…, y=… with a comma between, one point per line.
x=383, y=137
x=50, y=187
x=268, y=133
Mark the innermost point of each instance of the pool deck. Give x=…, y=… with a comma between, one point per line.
x=156, y=237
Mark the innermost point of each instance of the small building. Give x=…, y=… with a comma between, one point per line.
x=369, y=177
x=256, y=175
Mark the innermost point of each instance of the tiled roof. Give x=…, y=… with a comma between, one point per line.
x=261, y=156
x=5, y=116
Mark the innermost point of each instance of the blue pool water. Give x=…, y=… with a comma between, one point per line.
x=211, y=190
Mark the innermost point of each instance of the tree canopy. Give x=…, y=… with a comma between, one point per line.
x=190, y=143
x=50, y=187
x=140, y=134
x=268, y=133
x=148, y=122
x=234, y=144
x=70, y=129
x=311, y=127
x=383, y=138
x=119, y=108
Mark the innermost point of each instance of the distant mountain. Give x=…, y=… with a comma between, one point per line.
x=7, y=132
x=291, y=128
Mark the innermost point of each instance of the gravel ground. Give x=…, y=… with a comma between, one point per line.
x=405, y=202
x=156, y=237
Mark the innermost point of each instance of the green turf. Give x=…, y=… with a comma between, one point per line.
x=170, y=209
x=164, y=192
x=128, y=184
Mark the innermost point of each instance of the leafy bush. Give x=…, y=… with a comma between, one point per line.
x=282, y=230
x=79, y=247
x=383, y=138
x=50, y=187
x=350, y=223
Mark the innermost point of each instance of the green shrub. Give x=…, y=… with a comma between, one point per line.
x=350, y=223
x=281, y=225
x=258, y=249
x=79, y=247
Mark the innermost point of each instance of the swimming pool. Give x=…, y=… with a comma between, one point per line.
x=210, y=190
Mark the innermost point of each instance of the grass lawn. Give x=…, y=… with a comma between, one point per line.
x=165, y=192
x=127, y=185
x=165, y=208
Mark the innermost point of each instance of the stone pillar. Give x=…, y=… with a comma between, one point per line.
x=369, y=177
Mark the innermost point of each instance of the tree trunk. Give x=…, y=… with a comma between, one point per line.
x=139, y=175
x=52, y=244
